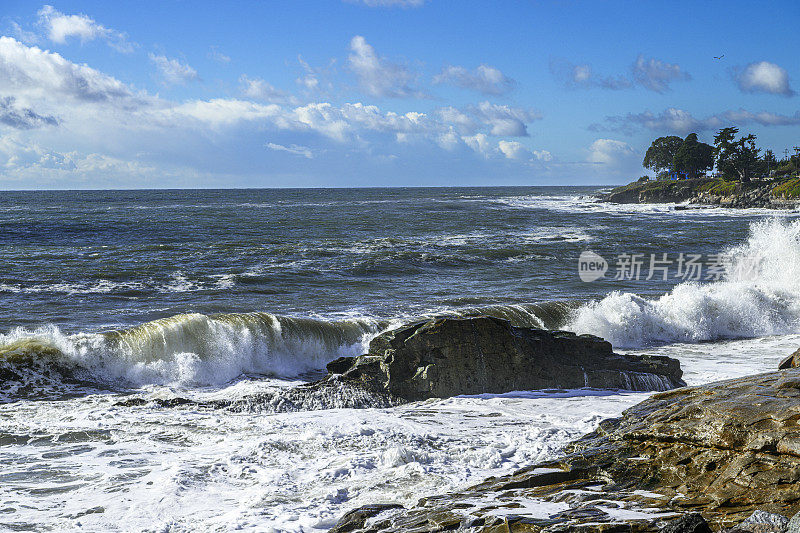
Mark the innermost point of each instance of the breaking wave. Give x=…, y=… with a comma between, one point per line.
x=758, y=296
x=195, y=350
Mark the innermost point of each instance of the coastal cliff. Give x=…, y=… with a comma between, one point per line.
x=726, y=450
x=710, y=192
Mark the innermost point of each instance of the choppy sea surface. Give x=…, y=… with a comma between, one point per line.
x=228, y=294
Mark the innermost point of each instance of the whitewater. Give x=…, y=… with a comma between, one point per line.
x=258, y=294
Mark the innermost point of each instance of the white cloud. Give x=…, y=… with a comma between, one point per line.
x=29, y=72
x=610, y=152
x=61, y=27
x=485, y=79
x=173, y=71
x=656, y=75
x=377, y=75
x=514, y=149
x=480, y=143
x=519, y=152
x=259, y=89
x=292, y=149
x=764, y=77
x=103, y=123
x=504, y=120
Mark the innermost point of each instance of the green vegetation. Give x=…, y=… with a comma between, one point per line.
x=661, y=153
x=719, y=187
x=788, y=189
x=735, y=159
x=693, y=157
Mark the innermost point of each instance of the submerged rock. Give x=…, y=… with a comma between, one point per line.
x=727, y=449
x=455, y=356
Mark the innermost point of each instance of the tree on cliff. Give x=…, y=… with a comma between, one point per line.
x=693, y=157
x=736, y=159
x=660, y=155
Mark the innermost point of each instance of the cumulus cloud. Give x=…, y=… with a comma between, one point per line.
x=681, y=122
x=173, y=71
x=763, y=77
x=379, y=76
x=610, y=152
x=61, y=27
x=29, y=72
x=504, y=120
x=292, y=149
x=518, y=151
x=22, y=118
x=127, y=132
x=485, y=79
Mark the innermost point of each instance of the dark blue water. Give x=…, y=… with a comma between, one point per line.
x=85, y=260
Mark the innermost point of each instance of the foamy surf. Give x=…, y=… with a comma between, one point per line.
x=192, y=349
x=758, y=296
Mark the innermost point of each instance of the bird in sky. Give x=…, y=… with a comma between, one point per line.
x=719, y=57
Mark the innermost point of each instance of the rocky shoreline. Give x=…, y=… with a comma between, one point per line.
x=729, y=451
x=709, y=192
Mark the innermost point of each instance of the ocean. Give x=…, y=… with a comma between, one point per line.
x=231, y=294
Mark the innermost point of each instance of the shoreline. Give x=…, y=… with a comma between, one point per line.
x=709, y=192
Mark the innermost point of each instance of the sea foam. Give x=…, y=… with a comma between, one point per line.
x=758, y=296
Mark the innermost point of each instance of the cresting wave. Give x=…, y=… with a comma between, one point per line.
x=758, y=296
x=192, y=350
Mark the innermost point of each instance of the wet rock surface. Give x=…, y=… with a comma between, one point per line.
x=455, y=356
x=725, y=450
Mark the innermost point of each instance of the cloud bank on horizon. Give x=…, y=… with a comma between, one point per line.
x=110, y=100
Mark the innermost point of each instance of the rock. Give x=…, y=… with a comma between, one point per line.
x=357, y=518
x=763, y=522
x=729, y=449
x=688, y=523
x=340, y=365
x=793, y=361
x=454, y=356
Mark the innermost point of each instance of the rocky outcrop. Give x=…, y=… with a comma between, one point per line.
x=704, y=192
x=656, y=192
x=793, y=361
x=454, y=356
x=726, y=450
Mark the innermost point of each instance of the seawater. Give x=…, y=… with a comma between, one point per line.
x=225, y=295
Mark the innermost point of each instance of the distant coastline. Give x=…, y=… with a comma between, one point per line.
x=765, y=194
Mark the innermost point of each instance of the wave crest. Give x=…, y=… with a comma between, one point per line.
x=758, y=296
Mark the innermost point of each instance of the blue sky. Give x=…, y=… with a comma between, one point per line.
x=380, y=92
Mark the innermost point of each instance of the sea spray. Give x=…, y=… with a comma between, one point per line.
x=758, y=296
x=192, y=349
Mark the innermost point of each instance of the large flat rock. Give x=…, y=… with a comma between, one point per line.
x=455, y=356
